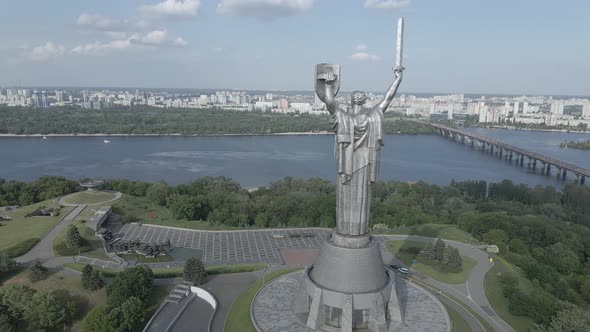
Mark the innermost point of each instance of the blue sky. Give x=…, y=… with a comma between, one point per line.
x=471, y=46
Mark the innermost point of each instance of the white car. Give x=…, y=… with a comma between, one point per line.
x=403, y=270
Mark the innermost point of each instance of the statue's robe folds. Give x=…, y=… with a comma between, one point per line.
x=359, y=138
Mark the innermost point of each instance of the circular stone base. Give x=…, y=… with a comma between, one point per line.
x=272, y=308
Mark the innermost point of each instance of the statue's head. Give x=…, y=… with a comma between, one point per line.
x=358, y=98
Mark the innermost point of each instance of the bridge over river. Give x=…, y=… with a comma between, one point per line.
x=510, y=152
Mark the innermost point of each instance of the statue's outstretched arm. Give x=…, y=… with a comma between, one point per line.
x=384, y=104
x=326, y=93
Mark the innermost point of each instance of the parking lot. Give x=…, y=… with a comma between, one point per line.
x=228, y=247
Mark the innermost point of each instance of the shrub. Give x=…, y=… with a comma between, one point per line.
x=73, y=238
x=37, y=272
x=7, y=264
x=91, y=278
x=194, y=271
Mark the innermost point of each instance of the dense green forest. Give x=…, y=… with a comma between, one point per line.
x=26, y=193
x=545, y=232
x=151, y=120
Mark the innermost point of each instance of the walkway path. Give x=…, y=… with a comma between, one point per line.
x=43, y=251
x=117, y=194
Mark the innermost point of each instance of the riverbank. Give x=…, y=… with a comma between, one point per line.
x=576, y=145
x=534, y=129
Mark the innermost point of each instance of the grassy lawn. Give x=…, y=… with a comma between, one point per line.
x=88, y=197
x=87, y=213
x=443, y=231
x=69, y=284
x=494, y=293
x=20, y=229
x=92, y=249
x=177, y=271
x=406, y=251
x=458, y=324
x=144, y=259
x=238, y=318
x=140, y=209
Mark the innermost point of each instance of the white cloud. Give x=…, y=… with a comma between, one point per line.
x=387, y=4
x=361, y=47
x=364, y=56
x=116, y=34
x=180, y=42
x=172, y=9
x=97, y=48
x=153, y=39
x=264, y=9
x=46, y=52
x=90, y=21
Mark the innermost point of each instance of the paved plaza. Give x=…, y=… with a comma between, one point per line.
x=271, y=308
x=228, y=247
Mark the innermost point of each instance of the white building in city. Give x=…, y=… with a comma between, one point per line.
x=301, y=107
x=586, y=110
x=557, y=108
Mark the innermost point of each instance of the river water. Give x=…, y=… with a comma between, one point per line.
x=259, y=160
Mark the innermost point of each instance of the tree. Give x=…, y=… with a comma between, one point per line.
x=91, y=278
x=194, y=271
x=158, y=193
x=7, y=264
x=428, y=252
x=562, y=258
x=102, y=319
x=6, y=323
x=45, y=310
x=518, y=246
x=495, y=236
x=132, y=282
x=37, y=272
x=184, y=207
x=131, y=313
x=439, y=249
x=573, y=319
x=15, y=298
x=451, y=259
x=73, y=238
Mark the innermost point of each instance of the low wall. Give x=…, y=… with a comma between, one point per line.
x=205, y=295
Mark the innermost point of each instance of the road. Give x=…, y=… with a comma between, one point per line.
x=472, y=292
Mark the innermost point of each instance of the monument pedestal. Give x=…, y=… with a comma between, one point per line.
x=348, y=288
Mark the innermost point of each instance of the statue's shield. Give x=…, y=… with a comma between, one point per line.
x=326, y=73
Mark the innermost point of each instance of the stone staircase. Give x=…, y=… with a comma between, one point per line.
x=179, y=292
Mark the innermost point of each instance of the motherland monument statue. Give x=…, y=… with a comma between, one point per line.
x=348, y=287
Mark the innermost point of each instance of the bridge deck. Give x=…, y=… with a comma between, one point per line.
x=544, y=159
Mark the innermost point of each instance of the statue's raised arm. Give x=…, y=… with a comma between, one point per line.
x=327, y=85
x=398, y=70
x=384, y=104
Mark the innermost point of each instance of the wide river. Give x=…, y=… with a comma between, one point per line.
x=259, y=160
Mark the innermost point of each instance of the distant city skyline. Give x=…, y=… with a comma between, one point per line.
x=459, y=46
